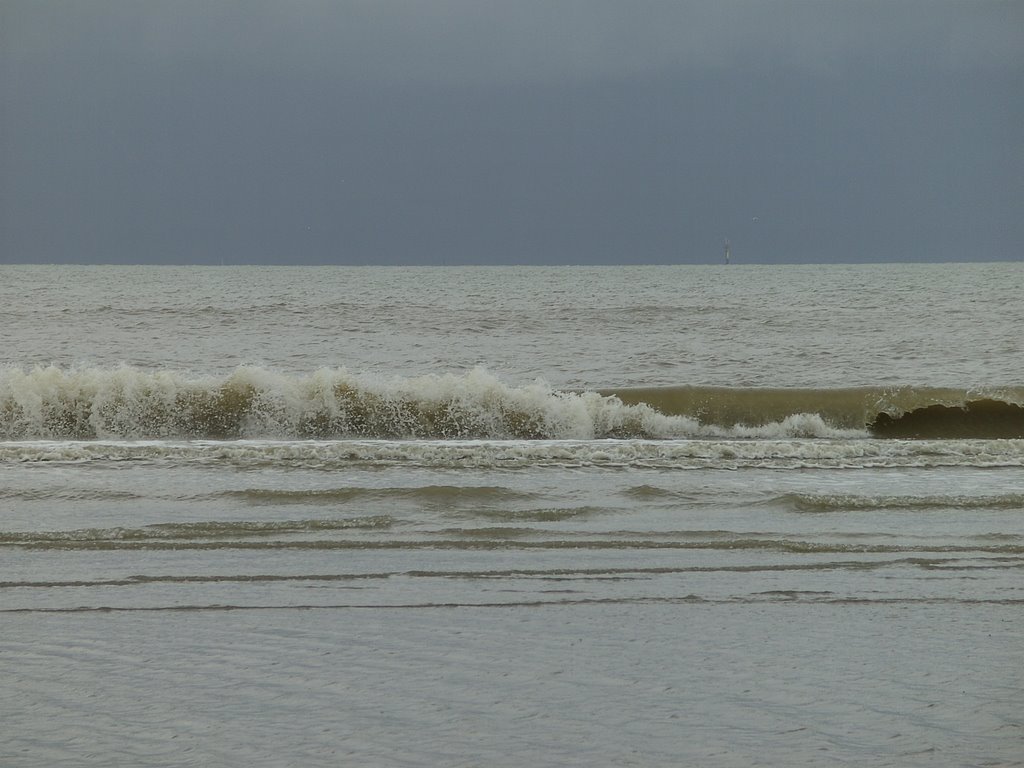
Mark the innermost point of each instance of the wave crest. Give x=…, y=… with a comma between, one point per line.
x=253, y=402
x=85, y=403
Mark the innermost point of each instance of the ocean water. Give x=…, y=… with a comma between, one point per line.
x=650, y=516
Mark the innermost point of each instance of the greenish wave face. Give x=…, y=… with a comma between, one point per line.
x=898, y=412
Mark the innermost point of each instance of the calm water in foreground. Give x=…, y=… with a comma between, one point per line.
x=647, y=516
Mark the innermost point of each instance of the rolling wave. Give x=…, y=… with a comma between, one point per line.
x=887, y=412
x=52, y=403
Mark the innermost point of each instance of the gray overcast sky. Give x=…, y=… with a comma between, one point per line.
x=510, y=131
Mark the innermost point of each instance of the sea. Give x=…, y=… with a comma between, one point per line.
x=512, y=516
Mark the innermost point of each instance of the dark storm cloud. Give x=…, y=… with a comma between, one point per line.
x=588, y=131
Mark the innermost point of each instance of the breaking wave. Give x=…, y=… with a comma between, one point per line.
x=128, y=403
x=889, y=412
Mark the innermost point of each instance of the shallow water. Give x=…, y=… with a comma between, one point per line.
x=672, y=683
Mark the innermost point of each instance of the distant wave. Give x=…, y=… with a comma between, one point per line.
x=85, y=403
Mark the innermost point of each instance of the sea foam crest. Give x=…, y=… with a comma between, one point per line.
x=254, y=402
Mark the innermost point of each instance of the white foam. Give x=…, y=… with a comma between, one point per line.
x=660, y=454
x=255, y=402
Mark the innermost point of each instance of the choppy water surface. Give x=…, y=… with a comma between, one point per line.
x=616, y=516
